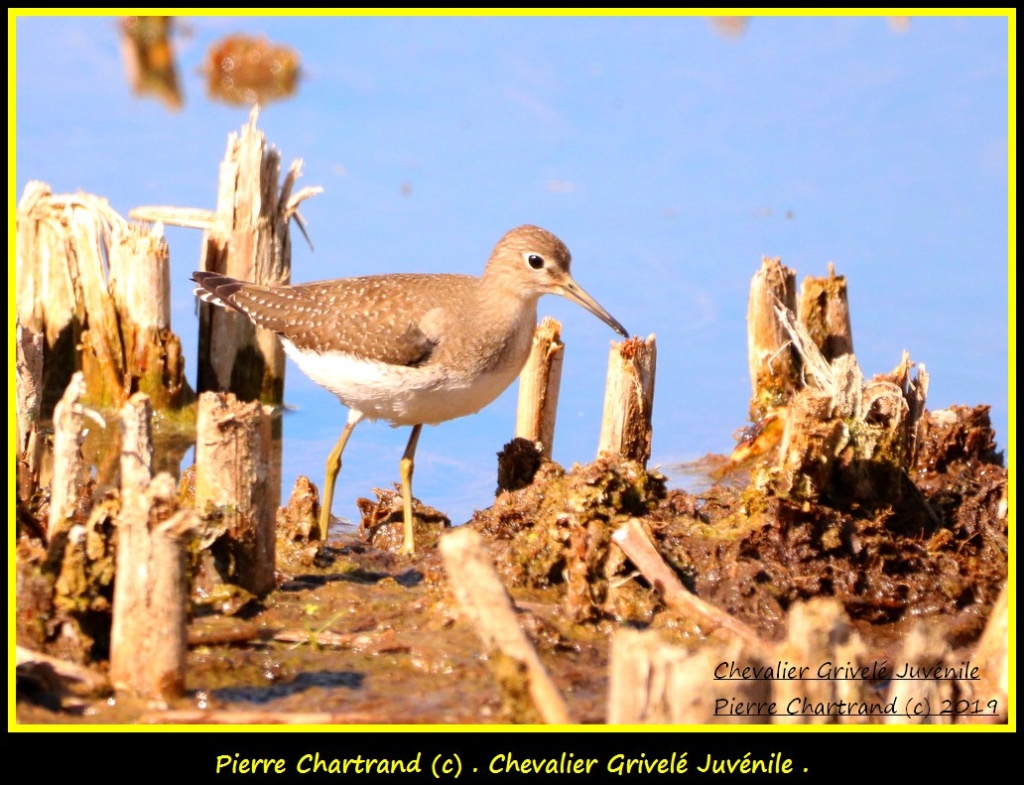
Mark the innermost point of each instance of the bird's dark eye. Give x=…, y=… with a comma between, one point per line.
x=535, y=261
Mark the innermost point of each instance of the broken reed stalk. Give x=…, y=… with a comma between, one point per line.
x=68, y=464
x=774, y=365
x=484, y=601
x=626, y=429
x=539, y=385
x=634, y=542
x=29, y=388
x=233, y=484
x=247, y=237
x=825, y=312
x=148, y=641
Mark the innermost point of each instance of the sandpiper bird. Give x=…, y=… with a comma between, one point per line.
x=412, y=348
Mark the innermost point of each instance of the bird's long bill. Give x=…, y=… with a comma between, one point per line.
x=573, y=291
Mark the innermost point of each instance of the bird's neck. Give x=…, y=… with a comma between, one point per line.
x=502, y=296
x=511, y=318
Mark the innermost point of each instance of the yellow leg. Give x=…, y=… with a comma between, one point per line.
x=405, y=468
x=333, y=467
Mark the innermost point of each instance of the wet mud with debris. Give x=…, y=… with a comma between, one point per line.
x=356, y=633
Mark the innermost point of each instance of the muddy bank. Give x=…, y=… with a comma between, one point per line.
x=355, y=633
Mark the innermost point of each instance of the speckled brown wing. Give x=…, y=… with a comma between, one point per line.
x=375, y=317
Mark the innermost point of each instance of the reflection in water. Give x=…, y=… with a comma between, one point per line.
x=149, y=58
x=729, y=26
x=244, y=70
x=695, y=477
x=172, y=443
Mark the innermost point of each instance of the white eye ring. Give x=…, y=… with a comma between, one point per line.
x=535, y=260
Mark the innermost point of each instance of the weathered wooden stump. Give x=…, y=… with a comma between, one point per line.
x=819, y=633
x=918, y=699
x=539, y=384
x=68, y=465
x=987, y=692
x=655, y=683
x=148, y=635
x=851, y=439
x=141, y=288
x=84, y=276
x=774, y=365
x=626, y=429
x=233, y=485
x=28, y=391
x=836, y=435
x=246, y=237
x=825, y=311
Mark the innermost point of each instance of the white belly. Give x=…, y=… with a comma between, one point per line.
x=401, y=395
